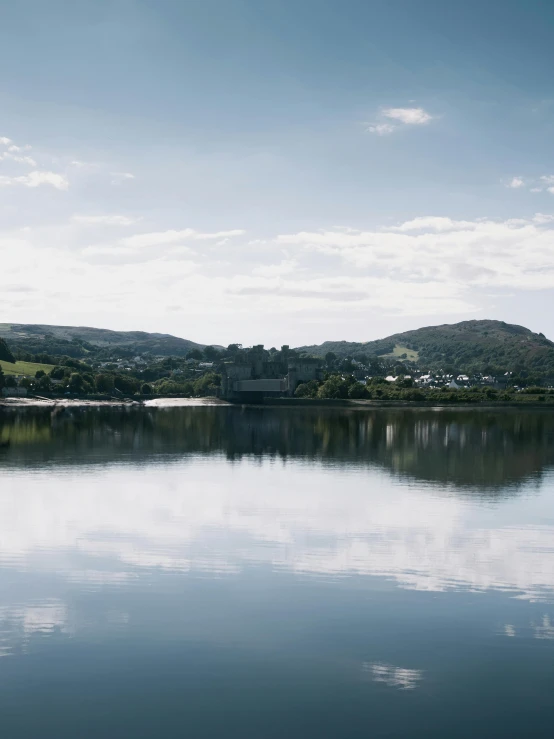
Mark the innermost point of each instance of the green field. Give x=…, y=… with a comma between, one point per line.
x=25, y=368
x=399, y=350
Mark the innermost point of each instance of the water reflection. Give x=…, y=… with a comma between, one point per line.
x=20, y=623
x=481, y=449
x=197, y=569
x=99, y=528
x=394, y=677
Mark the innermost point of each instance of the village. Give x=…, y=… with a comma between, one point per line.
x=252, y=374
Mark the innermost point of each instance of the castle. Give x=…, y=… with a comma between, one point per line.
x=256, y=374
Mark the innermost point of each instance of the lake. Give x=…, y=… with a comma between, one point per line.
x=258, y=573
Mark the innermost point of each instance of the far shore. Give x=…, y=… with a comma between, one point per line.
x=172, y=402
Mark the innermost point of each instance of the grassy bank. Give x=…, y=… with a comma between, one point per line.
x=29, y=369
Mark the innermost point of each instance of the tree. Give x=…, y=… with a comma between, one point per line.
x=374, y=365
x=307, y=389
x=194, y=354
x=39, y=374
x=89, y=379
x=146, y=389
x=44, y=384
x=77, y=383
x=357, y=390
x=333, y=387
x=126, y=385
x=378, y=381
x=413, y=394
x=207, y=385
x=347, y=365
x=104, y=383
x=330, y=359
x=402, y=381
x=169, y=387
x=5, y=353
x=2, y=378
x=74, y=363
x=211, y=353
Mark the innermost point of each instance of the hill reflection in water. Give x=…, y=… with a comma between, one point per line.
x=485, y=450
x=107, y=515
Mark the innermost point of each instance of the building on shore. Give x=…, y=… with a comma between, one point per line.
x=261, y=375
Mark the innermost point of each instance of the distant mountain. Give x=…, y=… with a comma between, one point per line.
x=469, y=345
x=80, y=340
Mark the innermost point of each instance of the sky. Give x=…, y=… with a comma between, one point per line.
x=283, y=172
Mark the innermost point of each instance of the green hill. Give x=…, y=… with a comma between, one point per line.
x=80, y=341
x=469, y=346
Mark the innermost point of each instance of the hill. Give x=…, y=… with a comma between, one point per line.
x=469, y=346
x=79, y=341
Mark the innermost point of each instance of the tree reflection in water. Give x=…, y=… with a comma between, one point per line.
x=461, y=448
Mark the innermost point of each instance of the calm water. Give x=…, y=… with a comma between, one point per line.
x=220, y=572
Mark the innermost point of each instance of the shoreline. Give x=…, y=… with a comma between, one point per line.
x=346, y=403
x=41, y=402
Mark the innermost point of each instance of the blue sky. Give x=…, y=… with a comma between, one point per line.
x=276, y=172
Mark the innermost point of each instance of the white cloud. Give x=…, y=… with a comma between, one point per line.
x=401, y=117
x=543, y=218
x=427, y=266
x=13, y=153
x=285, y=267
x=381, y=129
x=516, y=253
x=84, y=165
x=220, y=234
x=544, y=182
x=161, y=238
x=432, y=223
x=104, y=220
x=37, y=178
x=25, y=160
x=408, y=116
x=6, y=155
x=119, y=177
x=323, y=294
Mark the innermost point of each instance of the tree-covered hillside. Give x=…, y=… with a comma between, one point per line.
x=81, y=341
x=477, y=346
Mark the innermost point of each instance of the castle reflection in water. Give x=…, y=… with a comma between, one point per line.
x=462, y=448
